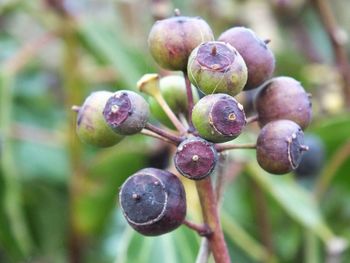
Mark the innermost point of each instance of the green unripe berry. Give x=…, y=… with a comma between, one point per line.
x=91, y=126
x=126, y=112
x=217, y=67
x=218, y=118
x=172, y=40
x=173, y=90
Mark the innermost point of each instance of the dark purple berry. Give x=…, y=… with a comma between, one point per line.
x=91, y=126
x=172, y=40
x=195, y=158
x=218, y=118
x=126, y=112
x=283, y=98
x=217, y=67
x=258, y=57
x=313, y=160
x=153, y=201
x=280, y=146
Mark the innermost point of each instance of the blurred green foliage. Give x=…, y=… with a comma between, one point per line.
x=58, y=197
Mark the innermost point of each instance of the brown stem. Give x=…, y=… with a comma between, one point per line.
x=262, y=217
x=207, y=197
x=225, y=147
x=252, y=119
x=189, y=101
x=337, y=38
x=163, y=133
x=201, y=229
x=154, y=135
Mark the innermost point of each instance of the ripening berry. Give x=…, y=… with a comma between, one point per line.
x=258, y=57
x=173, y=90
x=280, y=146
x=217, y=67
x=283, y=98
x=172, y=40
x=126, y=112
x=195, y=158
x=91, y=126
x=153, y=201
x=218, y=118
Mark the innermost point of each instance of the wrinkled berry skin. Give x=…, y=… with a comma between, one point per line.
x=126, y=112
x=172, y=40
x=173, y=90
x=217, y=67
x=195, y=158
x=258, y=57
x=280, y=146
x=218, y=118
x=313, y=160
x=283, y=98
x=91, y=126
x=153, y=201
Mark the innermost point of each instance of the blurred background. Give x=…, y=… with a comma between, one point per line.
x=58, y=196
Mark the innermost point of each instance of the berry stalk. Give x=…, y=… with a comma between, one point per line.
x=225, y=147
x=190, y=100
x=163, y=133
x=208, y=202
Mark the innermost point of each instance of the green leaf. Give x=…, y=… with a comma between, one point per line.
x=107, y=46
x=298, y=203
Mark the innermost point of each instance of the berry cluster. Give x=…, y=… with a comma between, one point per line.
x=153, y=201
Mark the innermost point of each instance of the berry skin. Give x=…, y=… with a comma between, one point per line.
x=172, y=40
x=280, y=146
x=153, y=201
x=258, y=57
x=312, y=161
x=283, y=98
x=173, y=90
x=195, y=158
x=218, y=118
x=126, y=112
x=91, y=126
x=217, y=67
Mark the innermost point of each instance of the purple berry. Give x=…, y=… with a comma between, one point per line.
x=283, y=98
x=195, y=158
x=258, y=57
x=153, y=201
x=172, y=40
x=218, y=118
x=126, y=112
x=280, y=146
x=217, y=67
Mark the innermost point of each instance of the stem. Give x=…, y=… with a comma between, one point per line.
x=189, y=101
x=171, y=115
x=225, y=147
x=338, y=40
x=329, y=172
x=157, y=136
x=204, y=252
x=208, y=201
x=252, y=118
x=163, y=133
x=262, y=217
x=73, y=94
x=11, y=195
x=201, y=229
